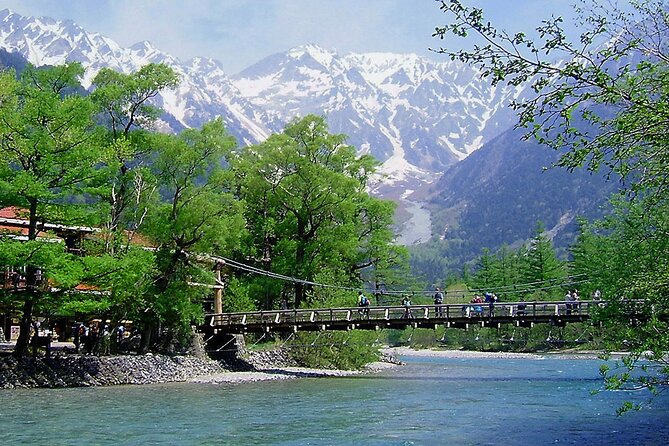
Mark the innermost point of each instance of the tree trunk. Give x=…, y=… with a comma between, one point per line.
x=23, y=341
x=300, y=253
x=147, y=337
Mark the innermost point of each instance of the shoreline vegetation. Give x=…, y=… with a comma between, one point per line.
x=71, y=370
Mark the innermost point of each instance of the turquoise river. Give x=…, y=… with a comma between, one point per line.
x=428, y=401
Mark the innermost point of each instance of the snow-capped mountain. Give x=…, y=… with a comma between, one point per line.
x=408, y=111
x=205, y=91
x=416, y=116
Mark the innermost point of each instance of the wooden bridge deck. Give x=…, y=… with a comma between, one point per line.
x=523, y=314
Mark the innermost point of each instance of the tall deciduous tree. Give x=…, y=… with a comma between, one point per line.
x=197, y=215
x=48, y=152
x=626, y=255
x=128, y=115
x=614, y=78
x=309, y=214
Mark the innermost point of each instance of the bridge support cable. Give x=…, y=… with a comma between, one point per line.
x=287, y=339
x=378, y=337
x=413, y=330
x=316, y=339
x=225, y=345
x=259, y=339
x=508, y=289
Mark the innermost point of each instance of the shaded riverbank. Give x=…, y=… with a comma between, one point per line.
x=465, y=354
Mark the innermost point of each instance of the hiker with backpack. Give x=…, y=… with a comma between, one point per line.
x=363, y=304
x=438, y=300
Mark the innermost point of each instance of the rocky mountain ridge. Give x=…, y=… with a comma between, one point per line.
x=415, y=115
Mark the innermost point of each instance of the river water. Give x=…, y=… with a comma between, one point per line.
x=429, y=401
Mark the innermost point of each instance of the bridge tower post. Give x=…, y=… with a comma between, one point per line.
x=218, y=291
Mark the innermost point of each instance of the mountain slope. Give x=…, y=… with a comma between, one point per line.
x=498, y=194
x=413, y=114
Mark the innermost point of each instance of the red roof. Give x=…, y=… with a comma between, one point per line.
x=13, y=220
x=13, y=212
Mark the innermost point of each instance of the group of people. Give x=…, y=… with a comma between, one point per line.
x=478, y=301
x=364, y=303
x=96, y=338
x=476, y=304
x=572, y=299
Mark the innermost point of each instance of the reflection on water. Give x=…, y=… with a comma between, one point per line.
x=428, y=401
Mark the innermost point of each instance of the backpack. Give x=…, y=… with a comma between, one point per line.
x=438, y=298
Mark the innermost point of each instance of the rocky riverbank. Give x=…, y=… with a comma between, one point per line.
x=86, y=370
x=74, y=370
x=276, y=365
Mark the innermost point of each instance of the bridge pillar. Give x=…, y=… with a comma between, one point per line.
x=225, y=346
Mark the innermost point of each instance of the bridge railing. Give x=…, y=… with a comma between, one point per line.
x=439, y=313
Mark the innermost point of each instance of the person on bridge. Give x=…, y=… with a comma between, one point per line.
x=569, y=299
x=363, y=304
x=490, y=299
x=406, y=302
x=468, y=310
x=438, y=300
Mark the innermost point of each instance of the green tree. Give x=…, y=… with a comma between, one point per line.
x=541, y=269
x=308, y=211
x=626, y=257
x=129, y=116
x=613, y=78
x=499, y=272
x=197, y=216
x=485, y=277
x=128, y=185
x=48, y=153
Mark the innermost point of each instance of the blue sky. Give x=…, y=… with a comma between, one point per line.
x=241, y=32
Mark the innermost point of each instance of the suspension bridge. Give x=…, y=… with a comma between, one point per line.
x=462, y=315
x=222, y=329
